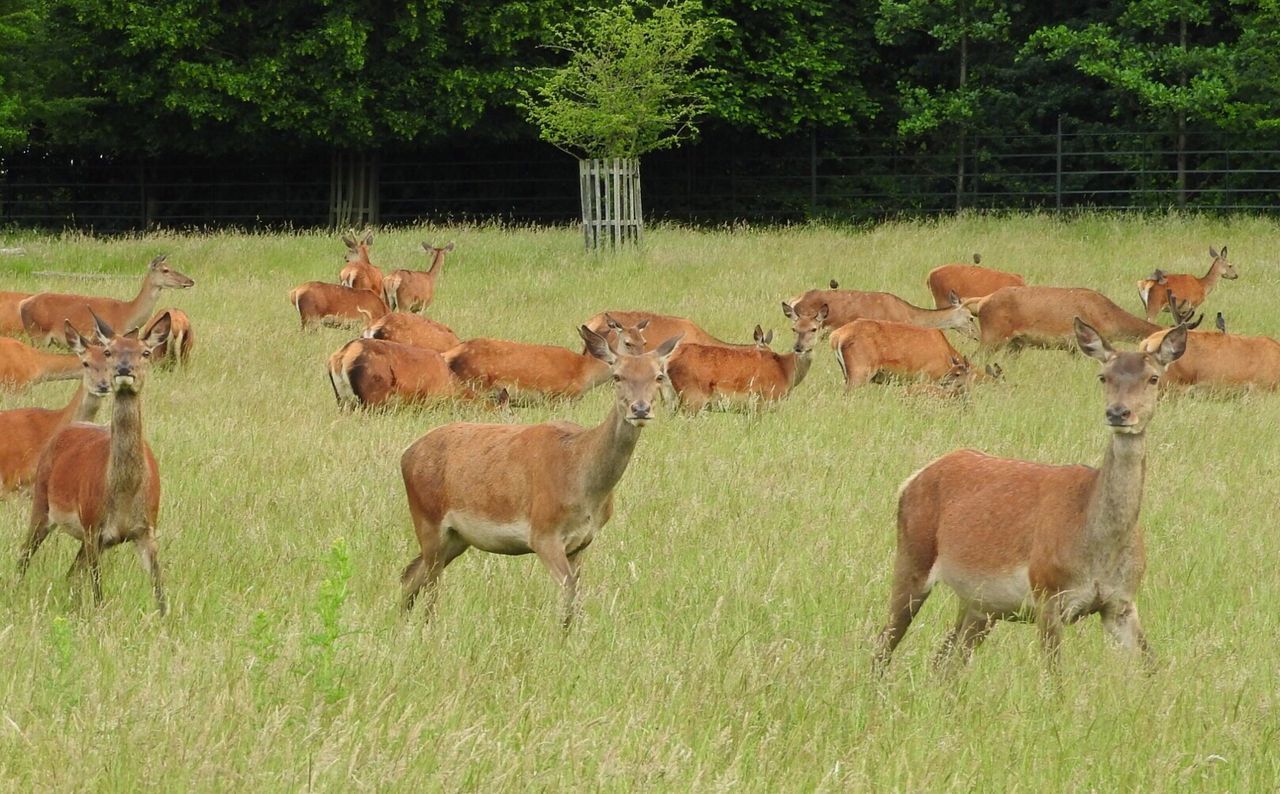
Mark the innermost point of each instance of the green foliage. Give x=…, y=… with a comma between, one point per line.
x=631, y=84
x=323, y=668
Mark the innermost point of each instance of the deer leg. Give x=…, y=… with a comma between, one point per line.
x=39, y=531
x=970, y=630
x=910, y=589
x=1120, y=622
x=425, y=569
x=146, y=545
x=1049, y=621
x=550, y=549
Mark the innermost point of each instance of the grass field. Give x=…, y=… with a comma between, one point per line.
x=730, y=605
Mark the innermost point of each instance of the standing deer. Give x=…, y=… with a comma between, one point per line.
x=177, y=348
x=1192, y=289
x=10, y=318
x=319, y=302
x=634, y=328
x=413, y=290
x=101, y=485
x=518, y=489
x=968, y=281
x=1043, y=316
x=847, y=305
x=412, y=329
x=22, y=365
x=1014, y=537
x=519, y=366
x=701, y=373
x=26, y=431
x=359, y=272
x=44, y=313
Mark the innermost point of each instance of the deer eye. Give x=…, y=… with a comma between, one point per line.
x=146, y=354
x=661, y=377
x=617, y=379
x=1154, y=379
x=84, y=364
x=106, y=354
x=1102, y=378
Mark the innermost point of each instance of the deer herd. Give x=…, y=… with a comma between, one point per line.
x=1014, y=539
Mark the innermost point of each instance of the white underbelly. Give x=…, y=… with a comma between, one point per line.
x=1001, y=593
x=68, y=521
x=498, y=537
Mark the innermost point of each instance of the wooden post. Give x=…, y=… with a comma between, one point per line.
x=354, y=195
x=612, y=211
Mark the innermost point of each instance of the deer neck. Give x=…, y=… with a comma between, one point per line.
x=126, y=463
x=141, y=306
x=84, y=405
x=1210, y=279
x=594, y=372
x=934, y=318
x=1131, y=326
x=796, y=366
x=437, y=265
x=59, y=367
x=603, y=452
x=1112, y=512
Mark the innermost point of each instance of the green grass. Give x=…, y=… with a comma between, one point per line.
x=729, y=606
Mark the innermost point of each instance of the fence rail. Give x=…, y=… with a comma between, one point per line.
x=828, y=175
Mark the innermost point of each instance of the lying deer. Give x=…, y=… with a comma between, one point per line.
x=845, y=306
x=968, y=281
x=359, y=272
x=413, y=290
x=1219, y=359
x=869, y=349
x=371, y=372
x=101, y=485
x=1014, y=538
x=518, y=366
x=176, y=349
x=319, y=302
x=26, y=431
x=633, y=328
x=1192, y=289
x=22, y=365
x=700, y=374
x=43, y=314
x=518, y=489
x=412, y=329
x=957, y=382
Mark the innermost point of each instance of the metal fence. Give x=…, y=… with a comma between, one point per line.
x=824, y=175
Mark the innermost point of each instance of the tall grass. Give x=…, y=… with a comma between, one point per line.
x=730, y=604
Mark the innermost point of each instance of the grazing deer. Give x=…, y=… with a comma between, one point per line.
x=319, y=302
x=634, y=328
x=1221, y=360
x=26, y=431
x=101, y=485
x=702, y=373
x=371, y=372
x=517, y=489
x=359, y=272
x=518, y=366
x=413, y=290
x=44, y=313
x=848, y=305
x=176, y=349
x=1043, y=316
x=1193, y=289
x=10, y=318
x=1013, y=537
x=968, y=281
x=22, y=365
x=412, y=329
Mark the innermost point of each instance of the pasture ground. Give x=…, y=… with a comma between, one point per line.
x=730, y=605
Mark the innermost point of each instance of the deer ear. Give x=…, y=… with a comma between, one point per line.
x=1172, y=346
x=1213, y=252
x=103, y=331
x=994, y=371
x=1224, y=252
x=788, y=311
x=75, y=341
x=822, y=314
x=643, y=324
x=159, y=331
x=953, y=298
x=612, y=323
x=758, y=334
x=768, y=337
x=368, y=239
x=668, y=347
x=158, y=261
x=350, y=242
x=1091, y=342
x=597, y=345
x=448, y=247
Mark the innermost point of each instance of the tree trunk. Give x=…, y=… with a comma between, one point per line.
x=1182, y=120
x=964, y=74
x=353, y=189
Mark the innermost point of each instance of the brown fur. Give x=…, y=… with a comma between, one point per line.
x=43, y=314
x=967, y=281
x=702, y=373
x=371, y=372
x=22, y=365
x=359, y=272
x=651, y=330
x=1014, y=537
x=867, y=348
x=413, y=290
x=1189, y=289
x=176, y=348
x=1222, y=360
x=1043, y=316
x=105, y=479
x=498, y=363
x=10, y=318
x=412, y=329
x=846, y=305
x=333, y=304
x=518, y=489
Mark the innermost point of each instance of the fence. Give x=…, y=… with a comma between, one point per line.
x=826, y=175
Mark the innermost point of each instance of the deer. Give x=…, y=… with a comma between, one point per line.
x=26, y=431
x=633, y=328
x=413, y=290
x=700, y=374
x=1193, y=289
x=1016, y=539
x=968, y=281
x=544, y=489
x=319, y=302
x=101, y=485
x=845, y=306
x=374, y=372
x=519, y=366
x=958, y=381
x=10, y=318
x=22, y=365
x=866, y=350
x=412, y=329
x=1221, y=360
x=176, y=349
x=359, y=272
x=1043, y=317
x=43, y=313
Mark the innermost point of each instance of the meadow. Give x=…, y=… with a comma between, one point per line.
x=729, y=607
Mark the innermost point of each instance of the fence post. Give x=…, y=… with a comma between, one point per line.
x=1058, y=170
x=612, y=212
